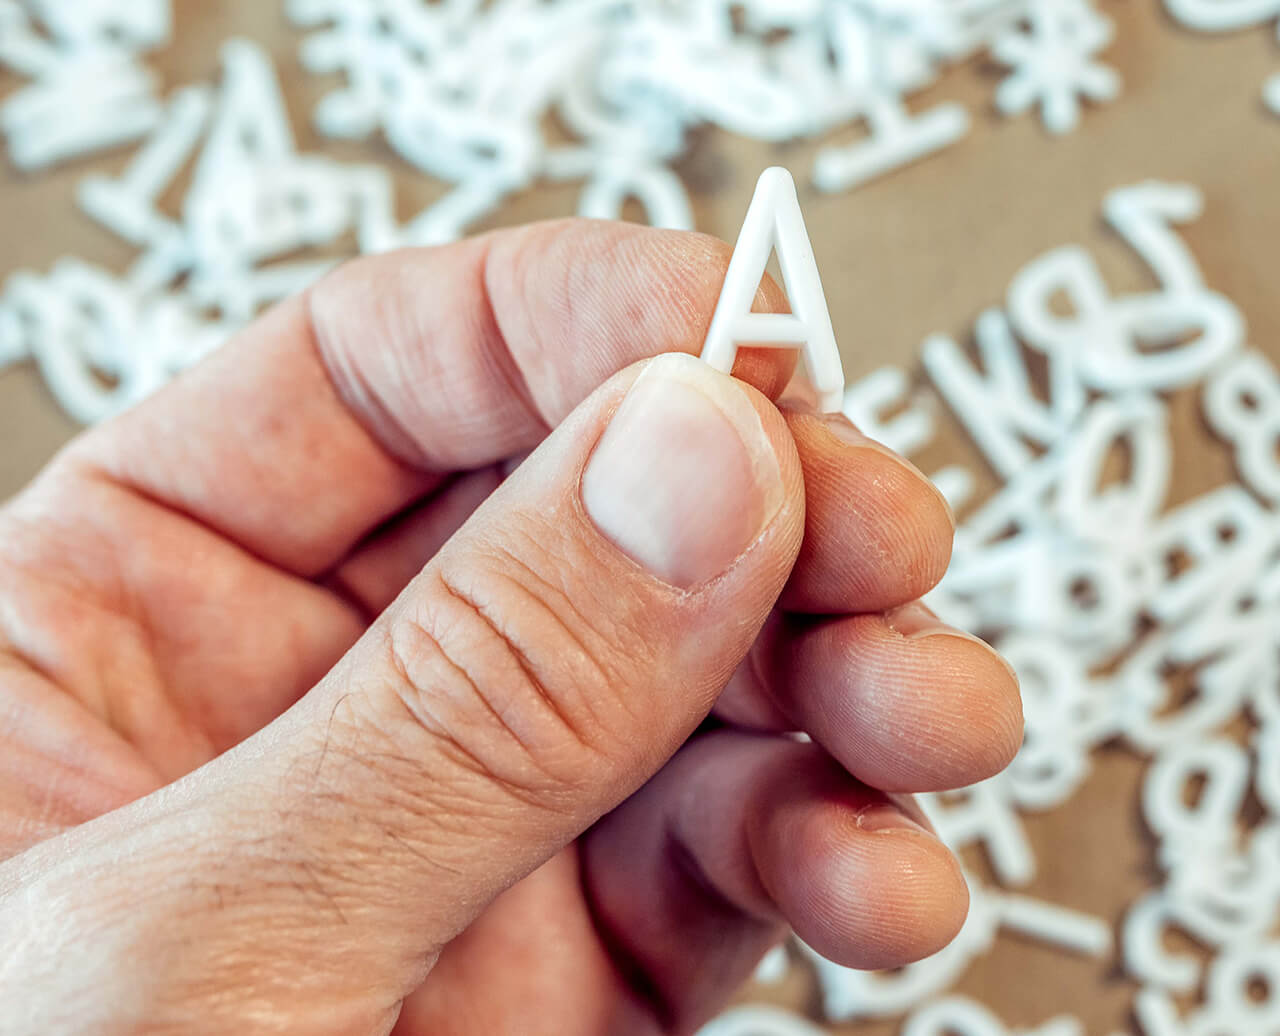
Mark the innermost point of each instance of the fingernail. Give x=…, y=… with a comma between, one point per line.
x=684, y=479
x=892, y=816
x=797, y=405
x=916, y=621
x=845, y=430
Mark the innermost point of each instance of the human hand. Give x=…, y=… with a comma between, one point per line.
x=318, y=714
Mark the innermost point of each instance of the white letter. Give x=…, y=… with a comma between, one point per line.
x=774, y=222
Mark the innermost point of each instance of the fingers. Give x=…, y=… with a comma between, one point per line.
x=859, y=684
x=742, y=834
x=546, y=662
x=877, y=532
x=883, y=533
x=340, y=407
x=537, y=955
x=380, y=567
x=903, y=701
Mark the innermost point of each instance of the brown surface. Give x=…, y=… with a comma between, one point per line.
x=919, y=251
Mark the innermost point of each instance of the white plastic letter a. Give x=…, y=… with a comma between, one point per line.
x=774, y=222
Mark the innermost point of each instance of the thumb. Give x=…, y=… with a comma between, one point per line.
x=572, y=634
x=546, y=663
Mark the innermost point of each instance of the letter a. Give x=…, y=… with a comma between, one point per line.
x=774, y=222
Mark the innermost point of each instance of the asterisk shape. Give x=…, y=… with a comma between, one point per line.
x=1053, y=63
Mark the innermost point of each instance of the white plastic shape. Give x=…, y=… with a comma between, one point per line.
x=759, y=1020
x=774, y=223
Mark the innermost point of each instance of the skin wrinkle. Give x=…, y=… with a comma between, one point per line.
x=530, y=263
x=673, y=311
x=424, y=719
x=516, y=373
x=14, y=654
x=621, y=639
x=611, y=638
x=557, y=589
x=115, y=469
x=534, y=680
x=598, y=675
x=564, y=299
x=497, y=350
x=41, y=811
x=686, y=864
x=583, y=280
x=439, y=727
x=425, y=801
x=238, y=975
x=143, y=624
x=365, y=405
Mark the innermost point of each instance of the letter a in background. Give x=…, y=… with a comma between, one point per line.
x=774, y=222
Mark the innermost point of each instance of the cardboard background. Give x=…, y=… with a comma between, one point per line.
x=921, y=250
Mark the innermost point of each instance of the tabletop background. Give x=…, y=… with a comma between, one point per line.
x=921, y=250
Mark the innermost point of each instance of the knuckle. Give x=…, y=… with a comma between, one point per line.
x=506, y=682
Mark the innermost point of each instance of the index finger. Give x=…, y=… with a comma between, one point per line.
x=341, y=406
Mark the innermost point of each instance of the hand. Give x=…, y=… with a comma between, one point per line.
x=321, y=712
